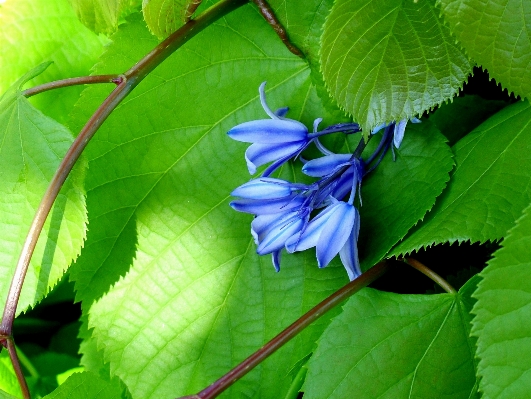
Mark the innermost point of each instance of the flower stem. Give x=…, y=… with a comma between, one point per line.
x=431, y=274
x=125, y=84
x=259, y=356
x=83, y=80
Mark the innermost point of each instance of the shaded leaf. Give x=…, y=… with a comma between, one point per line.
x=488, y=188
x=31, y=148
x=496, y=34
x=397, y=194
x=386, y=345
x=388, y=60
x=503, y=317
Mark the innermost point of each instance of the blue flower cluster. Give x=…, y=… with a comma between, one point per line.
x=296, y=216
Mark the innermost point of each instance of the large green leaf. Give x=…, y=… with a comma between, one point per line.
x=31, y=148
x=386, y=345
x=489, y=186
x=87, y=385
x=503, y=317
x=399, y=193
x=36, y=31
x=174, y=157
x=496, y=34
x=386, y=60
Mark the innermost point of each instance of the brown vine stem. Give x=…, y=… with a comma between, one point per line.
x=128, y=81
x=82, y=80
x=431, y=274
x=10, y=344
x=256, y=358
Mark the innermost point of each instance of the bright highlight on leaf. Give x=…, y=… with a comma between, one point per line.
x=503, y=317
x=31, y=147
x=497, y=35
x=102, y=16
x=386, y=60
x=395, y=346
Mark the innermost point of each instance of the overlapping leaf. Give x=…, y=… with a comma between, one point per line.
x=503, y=317
x=496, y=34
x=165, y=16
x=386, y=345
x=37, y=31
x=489, y=186
x=87, y=385
x=388, y=60
x=164, y=173
x=102, y=16
x=399, y=193
x=31, y=148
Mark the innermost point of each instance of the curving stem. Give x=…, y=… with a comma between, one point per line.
x=268, y=349
x=125, y=84
x=431, y=274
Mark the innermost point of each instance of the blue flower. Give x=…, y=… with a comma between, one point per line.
x=274, y=140
x=398, y=128
x=334, y=230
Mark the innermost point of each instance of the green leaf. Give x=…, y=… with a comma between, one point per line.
x=503, y=317
x=381, y=63
x=399, y=193
x=159, y=182
x=87, y=385
x=165, y=16
x=495, y=33
x=386, y=345
x=488, y=188
x=37, y=31
x=8, y=378
x=464, y=114
x=32, y=146
x=103, y=16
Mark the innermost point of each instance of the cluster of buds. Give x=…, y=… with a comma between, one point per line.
x=295, y=216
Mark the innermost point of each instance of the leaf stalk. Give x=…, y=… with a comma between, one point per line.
x=431, y=274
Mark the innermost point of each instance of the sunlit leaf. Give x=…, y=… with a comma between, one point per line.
x=103, y=16
x=87, y=385
x=31, y=148
x=8, y=378
x=36, y=31
x=388, y=60
x=165, y=16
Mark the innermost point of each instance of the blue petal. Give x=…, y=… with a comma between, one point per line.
x=275, y=257
x=335, y=233
x=264, y=188
x=259, y=154
x=262, y=224
x=323, y=166
x=260, y=207
x=310, y=235
x=349, y=252
x=400, y=128
x=269, y=131
x=343, y=184
x=277, y=236
x=378, y=128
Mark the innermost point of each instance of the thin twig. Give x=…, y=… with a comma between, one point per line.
x=270, y=17
x=82, y=80
x=256, y=358
x=18, y=369
x=431, y=274
x=126, y=83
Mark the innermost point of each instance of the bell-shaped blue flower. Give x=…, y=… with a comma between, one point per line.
x=398, y=128
x=274, y=140
x=334, y=230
